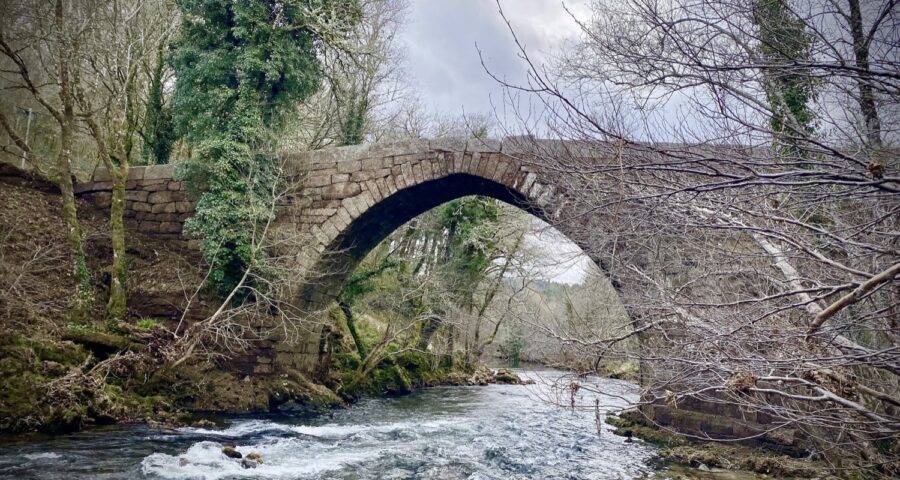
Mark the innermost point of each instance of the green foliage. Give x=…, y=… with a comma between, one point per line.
x=353, y=126
x=362, y=281
x=147, y=323
x=513, y=346
x=81, y=327
x=159, y=127
x=784, y=43
x=471, y=224
x=240, y=66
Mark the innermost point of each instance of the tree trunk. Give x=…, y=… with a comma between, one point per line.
x=115, y=307
x=84, y=295
x=351, y=326
x=866, y=94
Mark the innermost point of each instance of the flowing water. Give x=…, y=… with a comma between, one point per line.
x=493, y=432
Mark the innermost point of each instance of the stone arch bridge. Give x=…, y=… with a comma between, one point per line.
x=348, y=199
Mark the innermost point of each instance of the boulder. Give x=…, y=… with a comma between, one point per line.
x=255, y=457
x=481, y=376
x=231, y=452
x=506, y=376
x=248, y=463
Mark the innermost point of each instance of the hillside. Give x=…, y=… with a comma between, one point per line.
x=43, y=347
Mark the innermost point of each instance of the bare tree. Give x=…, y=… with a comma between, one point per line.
x=40, y=44
x=757, y=276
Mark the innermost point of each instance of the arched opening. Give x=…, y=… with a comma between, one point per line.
x=345, y=252
x=545, y=311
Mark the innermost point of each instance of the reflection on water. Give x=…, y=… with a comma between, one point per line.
x=494, y=432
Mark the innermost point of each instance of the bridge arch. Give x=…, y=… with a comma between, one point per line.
x=357, y=196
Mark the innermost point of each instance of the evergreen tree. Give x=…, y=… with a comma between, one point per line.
x=239, y=67
x=784, y=46
x=159, y=130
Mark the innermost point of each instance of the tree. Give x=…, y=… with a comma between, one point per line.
x=363, y=81
x=125, y=36
x=784, y=41
x=55, y=37
x=240, y=66
x=159, y=130
x=101, y=48
x=753, y=278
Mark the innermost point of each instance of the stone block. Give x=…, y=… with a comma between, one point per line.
x=366, y=198
x=331, y=231
x=475, y=161
x=458, y=162
x=319, y=235
x=386, y=186
x=148, y=226
x=341, y=190
x=322, y=212
x=352, y=207
x=101, y=175
x=524, y=182
x=340, y=177
x=318, y=180
x=164, y=196
x=135, y=173
x=163, y=207
x=372, y=187
x=408, y=176
x=141, y=207
x=156, y=172
x=363, y=175
x=184, y=207
x=428, y=170
x=155, y=186
x=342, y=219
x=417, y=173
x=165, y=217
x=175, y=186
x=348, y=166
x=170, y=227
x=136, y=195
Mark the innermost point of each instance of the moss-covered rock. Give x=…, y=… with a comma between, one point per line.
x=680, y=450
x=100, y=343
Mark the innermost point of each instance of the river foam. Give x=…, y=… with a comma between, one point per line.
x=497, y=432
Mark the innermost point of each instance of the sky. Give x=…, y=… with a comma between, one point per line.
x=443, y=37
x=442, y=40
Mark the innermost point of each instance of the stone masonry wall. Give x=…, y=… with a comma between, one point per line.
x=155, y=203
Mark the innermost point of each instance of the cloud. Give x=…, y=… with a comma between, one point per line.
x=443, y=59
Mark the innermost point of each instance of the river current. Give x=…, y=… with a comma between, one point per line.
x=492, y=432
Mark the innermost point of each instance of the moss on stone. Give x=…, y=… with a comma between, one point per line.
x=682, y=451
x=102, y=344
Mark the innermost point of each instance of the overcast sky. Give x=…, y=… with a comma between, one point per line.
x=441, y=36
x=440, y=40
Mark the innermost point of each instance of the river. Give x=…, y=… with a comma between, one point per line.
x=492, y=432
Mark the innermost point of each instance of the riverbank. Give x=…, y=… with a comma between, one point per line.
x=63, y=370
x=686, y=459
